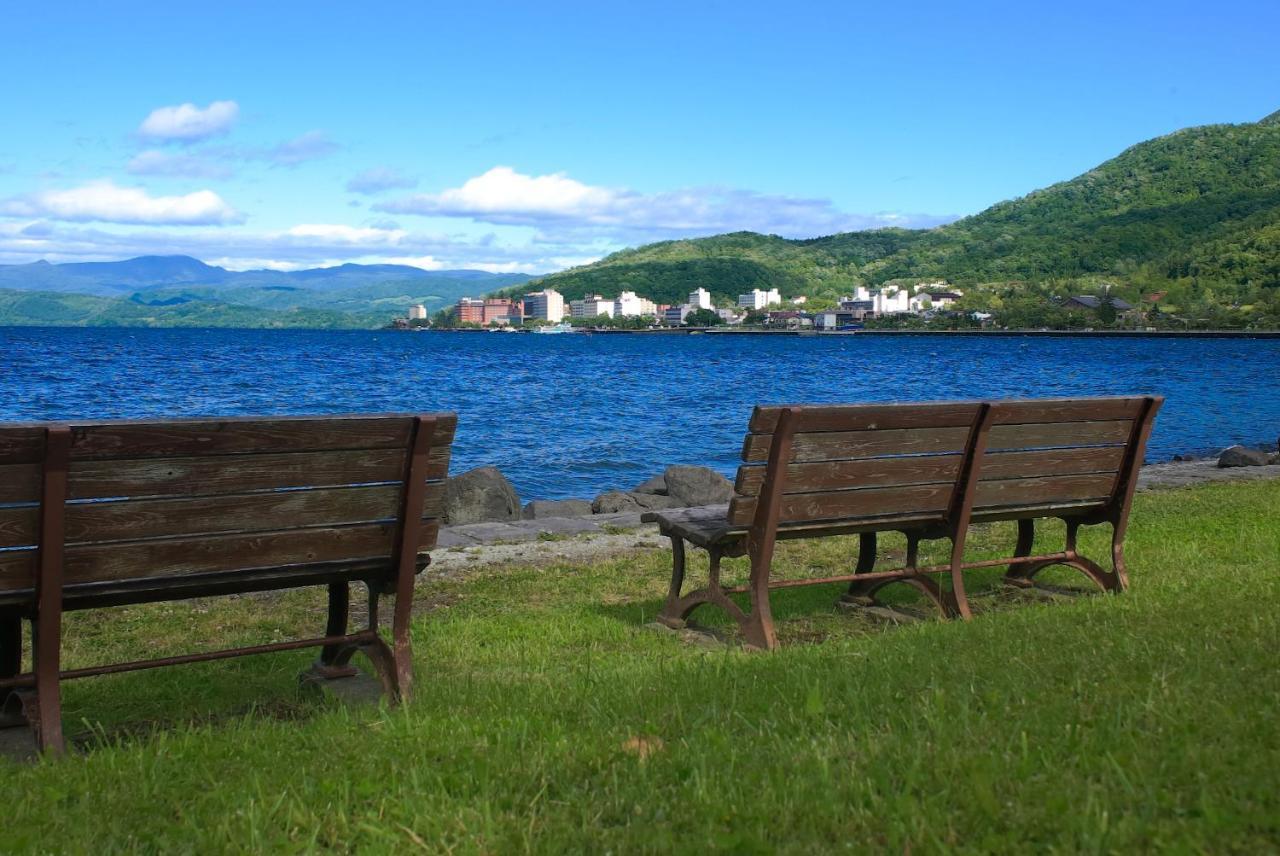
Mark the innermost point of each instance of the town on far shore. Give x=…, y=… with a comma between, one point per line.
x=547, y=310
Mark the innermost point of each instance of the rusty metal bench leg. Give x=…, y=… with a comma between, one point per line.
x=861, y=592
x=1019, y=573
x=10, y=665
x=335, y=660
x=671, y=614
x=757, y=626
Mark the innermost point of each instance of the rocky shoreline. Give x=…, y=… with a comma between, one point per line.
x=485, y=522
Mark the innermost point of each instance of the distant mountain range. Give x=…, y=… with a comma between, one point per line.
x=183, y=291
x=1195, y=212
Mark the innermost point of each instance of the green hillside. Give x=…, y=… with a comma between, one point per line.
x=35, y=308
x=1196, y=212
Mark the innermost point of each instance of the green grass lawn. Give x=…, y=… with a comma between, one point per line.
x=547, y=716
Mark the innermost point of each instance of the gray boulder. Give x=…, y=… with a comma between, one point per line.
x=541, y=509
x=1242, y=456
x=657, y=484
x=615, y=501
x=480, y=496
x=691, y=486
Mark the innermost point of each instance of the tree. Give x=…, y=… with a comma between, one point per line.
x=703, y=318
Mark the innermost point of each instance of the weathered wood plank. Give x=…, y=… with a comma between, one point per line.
x=21, y=444
x=239, y=436
x=1051, y=462
x=214, y=553
x=868, y=417
x=19, y=482
x=1044, y=490
x=205, y=476
x=838, y=475
x=1062, y=434
x=845, y=504
x=19, y=526
x=836, y=445
x=1066, y=410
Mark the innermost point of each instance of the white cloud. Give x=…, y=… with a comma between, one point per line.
x=156, y=162
x=302, y=246
x=570, y=209
x=308, y=146
x=107, y=202
x=378, y=179
x=188, y=123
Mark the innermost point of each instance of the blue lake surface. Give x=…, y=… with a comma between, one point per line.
x=576, y=415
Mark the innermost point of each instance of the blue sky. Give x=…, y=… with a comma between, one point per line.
x=535, y=136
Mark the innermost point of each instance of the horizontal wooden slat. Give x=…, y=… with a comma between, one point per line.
x=19, y=525
x=839, y=475
x=212, y=554
x=203, y=476
x=842, y=504
x=886, y=472
x=941, y=414
x=1066, y=410
x=836, y=445
x=19, y=482
x=1051, y=462
x=192, y=516
x=239, y=436
x=1061, y=434
x=1044, y=490
x=21, y=444
x=867, y=417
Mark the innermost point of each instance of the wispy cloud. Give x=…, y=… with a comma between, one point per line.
x=309, y=146
x=107, y=202
x=558, y=204
x=177, y=164
x=303, y=245
x=187, y=123
x=378, y=179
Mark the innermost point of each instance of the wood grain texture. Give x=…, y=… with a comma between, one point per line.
x=218, y=474
x=868, y=417
x=845, y=504
x=1044, y=490
x=214, y=553
x=838, y=475
x=21, y=444
x=19, y=482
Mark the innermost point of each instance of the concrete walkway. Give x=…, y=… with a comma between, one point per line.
x=576, y=539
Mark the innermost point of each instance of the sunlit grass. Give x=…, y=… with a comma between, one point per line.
x=548, y=716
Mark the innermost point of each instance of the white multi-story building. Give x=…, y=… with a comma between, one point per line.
x=630, y=304
x=546, y=305
x=591, y=307
x=700, y=299
x=758, y=299
x=417, y=312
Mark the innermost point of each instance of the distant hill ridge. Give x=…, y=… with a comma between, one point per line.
x=184, y=291
x=1198, y=205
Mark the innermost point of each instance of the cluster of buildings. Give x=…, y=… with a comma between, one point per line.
x=550, y=306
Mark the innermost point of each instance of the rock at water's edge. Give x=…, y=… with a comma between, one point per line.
x=657, y=485
x=480, y=496
x=614, y=501
x=540, y=509
x=691, y=486
x=1242, y=456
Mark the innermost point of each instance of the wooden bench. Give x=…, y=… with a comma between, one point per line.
x=109, y=513
x=926, y=470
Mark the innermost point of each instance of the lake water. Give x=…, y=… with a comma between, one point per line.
x=576, y=415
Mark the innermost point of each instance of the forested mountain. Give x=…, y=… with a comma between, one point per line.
x=182, y=291
x=1196, y=212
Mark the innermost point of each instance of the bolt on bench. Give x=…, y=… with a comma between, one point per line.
x=109, y=513
x=927, y=471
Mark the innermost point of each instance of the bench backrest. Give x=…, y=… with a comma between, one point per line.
x=174, y=498
x=847, y=463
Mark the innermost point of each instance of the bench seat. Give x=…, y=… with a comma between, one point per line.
x=927, y=470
